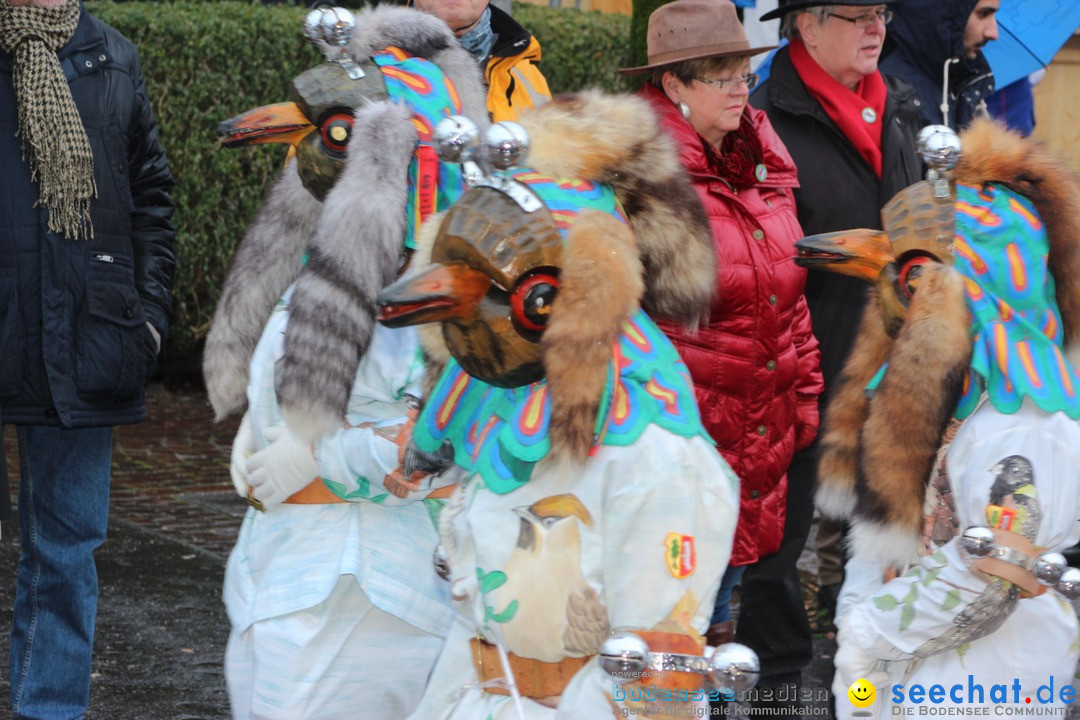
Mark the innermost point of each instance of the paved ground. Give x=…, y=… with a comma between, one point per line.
x=173, y=518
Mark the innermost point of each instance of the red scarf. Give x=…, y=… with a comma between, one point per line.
x=847, y=109
x=739, y=155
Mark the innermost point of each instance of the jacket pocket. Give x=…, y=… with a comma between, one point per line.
x=10, y=344
x=113, y=342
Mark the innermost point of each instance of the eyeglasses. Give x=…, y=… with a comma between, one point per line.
x=866, y=19
x=751, y=80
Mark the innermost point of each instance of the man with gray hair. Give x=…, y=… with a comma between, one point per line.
x=86, y=277
x=851, y=132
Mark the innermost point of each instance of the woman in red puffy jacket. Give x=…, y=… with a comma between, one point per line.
x=755, y=361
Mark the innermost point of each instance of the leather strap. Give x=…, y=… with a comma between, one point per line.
x=534, y=678
x=315, y=493
x=1018, y=575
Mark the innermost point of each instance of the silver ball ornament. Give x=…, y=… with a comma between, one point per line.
x=313, y=26
x=441, y=562
x=938, y=146
x=505, y=145
x=1048, y=568
x=734, y=667
x=337, y=26
x=1069, y=584
x=624, y=656
x=977, y=541
x=454, y=137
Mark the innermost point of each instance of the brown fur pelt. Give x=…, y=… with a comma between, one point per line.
x=846, y=413
x=908, y=414
x=617, y=140
x=994, y=154
x=600, y=287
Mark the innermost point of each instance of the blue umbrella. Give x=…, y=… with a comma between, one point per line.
x=1031, y=33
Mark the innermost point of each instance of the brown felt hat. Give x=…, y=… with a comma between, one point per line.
x=693, y=29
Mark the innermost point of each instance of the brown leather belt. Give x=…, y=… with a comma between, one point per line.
x=537, y=679
x=1022, y=578
x=534, y=678
x=316, y=493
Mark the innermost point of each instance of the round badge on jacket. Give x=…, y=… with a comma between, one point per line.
x=761, y=172
x=869, y=114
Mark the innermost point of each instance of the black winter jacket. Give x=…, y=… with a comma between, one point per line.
x=922, y=37
x=75, y=349
x=838, y=190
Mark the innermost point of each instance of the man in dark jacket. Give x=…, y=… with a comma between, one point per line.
x=934, y=44
x=851, y=158
x=86, y=272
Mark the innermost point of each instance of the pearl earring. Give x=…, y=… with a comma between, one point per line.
x=684, y=109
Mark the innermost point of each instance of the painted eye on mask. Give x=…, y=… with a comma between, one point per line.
x=335, y=132
x=532, y=298
x=910, y=273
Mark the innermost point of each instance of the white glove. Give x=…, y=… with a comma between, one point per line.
x=283, y=467
x=242, y=447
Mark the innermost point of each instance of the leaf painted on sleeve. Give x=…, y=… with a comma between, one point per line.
x=913, y=594
x=930, y=576
x=906, y=616
x=885, y=603
x=952, y=599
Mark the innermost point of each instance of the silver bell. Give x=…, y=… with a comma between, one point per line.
x=624, y=656
x=977, y=541
x=1048, y=568
x=734, y=667
x=1069, y=584
x=337, y=26
x=938, y=146
x=505, y=145
x=441, y=562
x=454, y=137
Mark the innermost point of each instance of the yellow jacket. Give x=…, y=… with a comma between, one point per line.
x=512, y=71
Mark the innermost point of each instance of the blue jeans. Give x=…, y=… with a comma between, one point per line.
x=63, y=515
x=722, y=608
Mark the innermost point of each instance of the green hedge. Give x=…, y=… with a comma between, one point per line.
x=205, y=62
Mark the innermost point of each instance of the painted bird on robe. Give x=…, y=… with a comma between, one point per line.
x=559, y=612
x=938, y=333
x=345, y=200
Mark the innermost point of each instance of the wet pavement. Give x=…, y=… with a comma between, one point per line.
x=173, y=517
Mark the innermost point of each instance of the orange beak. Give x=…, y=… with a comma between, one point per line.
x=859, y=253
x=279, y=123
x=436, y=293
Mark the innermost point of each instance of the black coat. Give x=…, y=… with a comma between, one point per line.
x=74, y=344
x=924, y=34
x=838, y=190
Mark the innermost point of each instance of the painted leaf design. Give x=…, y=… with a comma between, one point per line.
x=930, y=576
x=913, y=594
x=952, y=599
x=506, y=615
x=491, y=580
x=336, y=488
x=906, y=616
x=885, y=603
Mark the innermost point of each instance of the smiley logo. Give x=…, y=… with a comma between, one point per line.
x=861, y=693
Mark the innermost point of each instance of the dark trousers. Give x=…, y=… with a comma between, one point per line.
x=772, y=618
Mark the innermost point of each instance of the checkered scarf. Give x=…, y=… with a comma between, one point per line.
x=53, y=137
